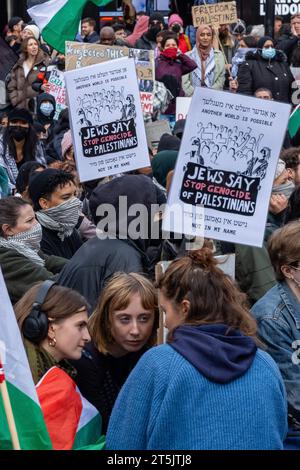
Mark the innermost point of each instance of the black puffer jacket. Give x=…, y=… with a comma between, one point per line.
x=273, y=74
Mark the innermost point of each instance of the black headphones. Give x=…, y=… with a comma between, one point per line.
x=35, y=326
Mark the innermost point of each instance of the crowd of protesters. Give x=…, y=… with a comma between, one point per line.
x=228, y=376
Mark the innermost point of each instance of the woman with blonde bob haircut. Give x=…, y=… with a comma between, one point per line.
x=209, y=387
x=122, y=327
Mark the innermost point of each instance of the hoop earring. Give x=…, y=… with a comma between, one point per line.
x=52, y=342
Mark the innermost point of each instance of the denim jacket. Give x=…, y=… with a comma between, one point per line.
x=278, y=317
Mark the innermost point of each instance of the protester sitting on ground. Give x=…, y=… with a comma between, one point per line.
x=53, y=323
x=25, y=73
x=122, y=327
x=57, y=209
x=171, y=62
x=204, y=312
x=22, y=261
x=120, y=246
x=266, y=67
x=148, y=39
x=19, y=144
x=210, y=71
x=278, y=312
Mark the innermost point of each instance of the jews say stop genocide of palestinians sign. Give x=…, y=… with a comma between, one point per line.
x=82, y=54
x=215, y=15
x=106, y=119
x=225, y=168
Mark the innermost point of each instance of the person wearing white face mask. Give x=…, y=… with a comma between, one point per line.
x=266, y=68
x=21, y=259
x=57, y=209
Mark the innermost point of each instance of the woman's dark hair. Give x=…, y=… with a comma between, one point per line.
x=293, y=209
x=169, y=35
x=10, y=210
x=25, y=44
x=25, y=172
x=30, y=144
x=250, y=41
x=118, y=27
x=213, y=296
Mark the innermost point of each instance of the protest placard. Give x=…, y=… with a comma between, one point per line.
x=215, y=15
x=154, y=131
x=106, y=119
x=182, y=107
x=225, y=168
x=82, y=54
x=58, y=90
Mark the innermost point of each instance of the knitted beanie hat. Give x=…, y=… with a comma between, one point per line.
x=34, y=29
x=175, y=19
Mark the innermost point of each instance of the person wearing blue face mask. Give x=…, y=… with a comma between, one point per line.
x=266, y=68
x=45, y=111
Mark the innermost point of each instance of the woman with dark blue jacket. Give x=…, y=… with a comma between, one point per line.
x=266, y=68
x=278, y=313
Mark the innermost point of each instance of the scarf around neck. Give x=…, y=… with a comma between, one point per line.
x=62, y=218
x=26, y=243
x=209, y=72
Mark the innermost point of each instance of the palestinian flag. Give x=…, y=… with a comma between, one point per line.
x=294, y=122
x=79, y=425
x=30, y=424
x=59, y=20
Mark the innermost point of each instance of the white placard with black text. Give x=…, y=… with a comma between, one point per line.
x=225, y=168
x=106, y=119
